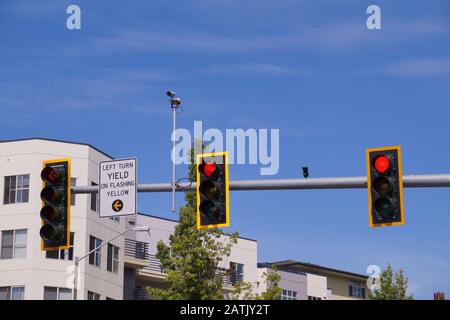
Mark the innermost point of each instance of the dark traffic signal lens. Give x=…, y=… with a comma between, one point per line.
x=210, y=210
x=50, y=194
x=49, y=214
x=381, y=164
x=382, y=186
x=50, y=233
x=209, y=189
x=383, y=206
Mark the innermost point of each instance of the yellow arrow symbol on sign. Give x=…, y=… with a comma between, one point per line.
x=117, y=205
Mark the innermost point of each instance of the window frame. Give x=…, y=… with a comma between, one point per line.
x=63, y=254
x=237, y=271
x=94, y=295
x=73, y=183
x=10, y=292
x=288, y=294
x=12, y=189
x=356, y=289
x=58, y=292
x=94, y=198
x=14, y=246
x=95, y=258
x=112, y=264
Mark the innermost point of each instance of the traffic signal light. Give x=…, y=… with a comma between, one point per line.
x=55, y=212
x=385, y=186
x=212, y=190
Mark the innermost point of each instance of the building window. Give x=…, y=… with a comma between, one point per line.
x=16, y=189
x=93, y=296
x=113, y=258
x=115, y=219
x=65, y=254
x=237, y=272
x=356, y=289
x=95, y=258
x=94, y=198
x=288, y=295
x=314, y=298
x=73, y=183
x=54, y=293
x=14, y=244
x=12, y=293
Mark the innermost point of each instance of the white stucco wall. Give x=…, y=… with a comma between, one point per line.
x=317, y=286
x=35, y=271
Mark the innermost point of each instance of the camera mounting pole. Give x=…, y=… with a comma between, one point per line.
x=174, y=104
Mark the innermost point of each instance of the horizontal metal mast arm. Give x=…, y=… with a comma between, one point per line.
x=411, y=181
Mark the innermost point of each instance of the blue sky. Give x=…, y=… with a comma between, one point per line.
x=309, y=68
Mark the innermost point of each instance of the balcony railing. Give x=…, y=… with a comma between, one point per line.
x=135, y=294
x=139, y=250
x=229, y=277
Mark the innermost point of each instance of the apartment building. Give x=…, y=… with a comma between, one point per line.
x=123, y=268
x=26, y=271
x=143, y=269
x=323, y=283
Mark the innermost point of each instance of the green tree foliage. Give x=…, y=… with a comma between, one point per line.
x=193, y=256
x=245, y=291
x=391, y=287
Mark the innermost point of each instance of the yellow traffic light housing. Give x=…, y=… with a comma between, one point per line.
x=212, y=190
x=55, y=212
x=385, y=186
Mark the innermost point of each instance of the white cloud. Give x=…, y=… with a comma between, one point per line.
x=337, y=36
x=95, y=89
x=35, y=8
x=252, y=69
x=418, y=68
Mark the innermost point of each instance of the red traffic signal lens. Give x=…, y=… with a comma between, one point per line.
x=208, y=169
x=381, y=164
x=49, y=175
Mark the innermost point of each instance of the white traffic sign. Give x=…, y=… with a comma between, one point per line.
x=117, y=188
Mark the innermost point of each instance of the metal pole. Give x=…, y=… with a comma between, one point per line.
x=174, y=119
x=410, y=181
x=77, y=259
x=75, y=279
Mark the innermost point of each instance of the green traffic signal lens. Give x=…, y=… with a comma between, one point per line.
x=210, y=210
x=50, y=233
x=382, y=185
x=209, y=189
x=383, y=207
